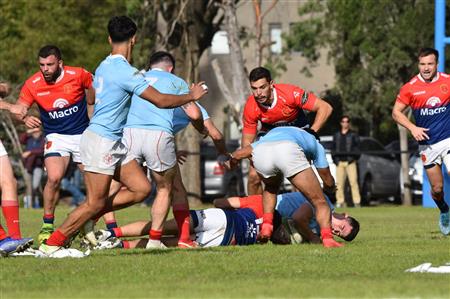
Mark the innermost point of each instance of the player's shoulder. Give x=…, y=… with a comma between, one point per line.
x=286, y=87
x=444, y=76
x=34, y=80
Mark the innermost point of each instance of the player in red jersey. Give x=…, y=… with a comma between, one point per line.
x=428, y=94
x=62, y=94
x=275, y=105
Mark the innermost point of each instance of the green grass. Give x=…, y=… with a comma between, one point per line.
x=392, y=239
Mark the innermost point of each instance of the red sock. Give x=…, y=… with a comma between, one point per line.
x=325, y=233
x=10, y=210
x=57, y=239
x=155, y=234
x=3, y=234
x=268, y=218
x=126, y=244
x=181, y=214
x=117, y=232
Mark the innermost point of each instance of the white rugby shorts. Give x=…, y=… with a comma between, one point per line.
x=286, y=157
x=435, y=153
x=211, y=226
x=156, y=148
x=100, y=154
x=59, y=145
x=2, y=150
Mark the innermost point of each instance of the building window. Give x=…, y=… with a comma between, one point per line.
x=219, y=44
x=275, y=38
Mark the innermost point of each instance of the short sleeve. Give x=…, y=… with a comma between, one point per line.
x=249, y=119
x=304, y=99
x=133, y=81
x=404, y=96
x=26, y=97
x=86, y=79
x=184, y=87
x=205, y=114
x=320, y=161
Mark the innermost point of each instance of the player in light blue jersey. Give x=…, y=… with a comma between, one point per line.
x=287, y=151
x=101, y=147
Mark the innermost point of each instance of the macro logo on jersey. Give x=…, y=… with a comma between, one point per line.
x=433, y=106
x=61, y=104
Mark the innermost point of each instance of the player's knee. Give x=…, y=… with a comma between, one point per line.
x=8, y=183
x=53, y=181
x=437, y=189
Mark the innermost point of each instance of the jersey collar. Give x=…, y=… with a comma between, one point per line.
x=274, y=102
x=432, y=81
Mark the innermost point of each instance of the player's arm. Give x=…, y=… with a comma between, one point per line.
x=161, y=100
x=323, y=111
x=227, y=203
x=29, y=120
x=90, y=95
x=216, y=136
x=195, y=116
x=329, y=185
x=399, y=116
x=302, y=216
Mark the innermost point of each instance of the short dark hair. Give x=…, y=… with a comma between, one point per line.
x=259, y=73
x=345, y=116
x=355, y=229
x=428, y=51
x=48, y=50
x=121, y=28
x=161, y=56
x=280, y=235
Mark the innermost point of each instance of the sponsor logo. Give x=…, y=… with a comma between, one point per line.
x=287, y=111
x=60, y=103
x=68, y=88
x=107, y=159
x=70, y=72
x=305, y=97
x=63, y=113
x=444, y=88
x=48, y=144
x=296, y=94
x=419, y=92
x=36, y=80
x=424, y=158
x=432, y=102
x=44, y=93
x=251, y=230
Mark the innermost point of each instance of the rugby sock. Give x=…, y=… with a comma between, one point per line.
x=57, y=239
x=126, y=244
x=327, y=238
x=116, y=232
x=10, y=209
x=49, y=218
x=3, y=234
x=325, y=233
x=268, y=218
x=441, y=204
x=155, y=234
x=111, y=224
x=181, y=214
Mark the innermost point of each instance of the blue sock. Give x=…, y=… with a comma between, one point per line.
x=111, y=225
x=442, y=205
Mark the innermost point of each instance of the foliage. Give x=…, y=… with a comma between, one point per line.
x=392, y=239
x=373, y=45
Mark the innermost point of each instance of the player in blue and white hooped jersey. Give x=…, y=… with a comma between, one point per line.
x=101, y=147
x=287, y=151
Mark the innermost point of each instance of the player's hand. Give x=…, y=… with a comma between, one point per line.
x=265, y=232
x=32, y=122
x=197, y=91
x=26, y=154
x=222, y=158
x=420, y=133
x=19, y=110
x=182, y=156
x=330, y=242
x=312, y=132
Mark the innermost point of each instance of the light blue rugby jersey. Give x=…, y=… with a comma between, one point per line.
x=288, y=203
x=144, y=114
x=115, y=81
x=311, y=147
x=181, y=120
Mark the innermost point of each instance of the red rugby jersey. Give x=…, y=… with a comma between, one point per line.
x=62, y=104
x=430, y=103
x=286, y=109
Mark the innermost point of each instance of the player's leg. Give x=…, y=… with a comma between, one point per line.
x=341, y=176
x=352, y=172
x=56, y=167
x=254, y=185
x=141, y=228
x=110, y=218
x=271, y=187
x=436, y=179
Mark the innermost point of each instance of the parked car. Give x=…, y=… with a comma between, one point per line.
x=216, y=181
x=378, y=170
x=416, y=176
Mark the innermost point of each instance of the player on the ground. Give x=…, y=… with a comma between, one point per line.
x=62, y=94
x=298, y=148
x=13, y=241
x=149, y=136
x=103, y=154
x=428, y=94
x=275, y=105
x=236, y=221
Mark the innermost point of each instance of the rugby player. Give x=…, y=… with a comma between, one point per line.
x=275, y=105
x=428, y=95
x=103, y=154
x=12, y=242
x=62, y=94
x=286, y=151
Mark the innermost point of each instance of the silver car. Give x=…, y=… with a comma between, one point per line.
x=378, y=171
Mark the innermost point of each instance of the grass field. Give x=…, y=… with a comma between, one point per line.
x=392, y=239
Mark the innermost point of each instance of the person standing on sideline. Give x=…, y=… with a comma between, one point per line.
x=428, y=95
x=277, y=105
x=346, y=153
